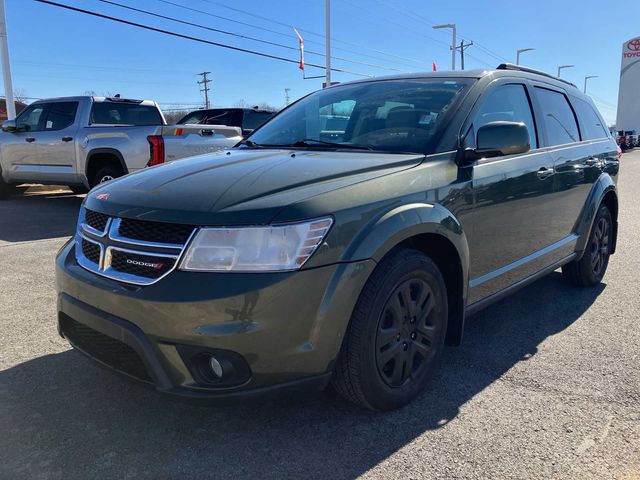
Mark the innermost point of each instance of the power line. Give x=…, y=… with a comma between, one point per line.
x=189, y=37
x=290, y=36
x=421, y=19
x=238, y=35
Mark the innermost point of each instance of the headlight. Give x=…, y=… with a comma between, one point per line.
x=250, y=249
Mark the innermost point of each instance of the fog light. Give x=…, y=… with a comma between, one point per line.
x=215, y=366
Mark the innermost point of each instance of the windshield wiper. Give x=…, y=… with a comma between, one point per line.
x=249, y=143
x=309, y=142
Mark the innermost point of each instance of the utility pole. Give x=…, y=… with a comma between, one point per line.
x=205, y=82
x=462, y=48
x=327, y=60
x=286, y=96
x=6, y=69
x=454, y=45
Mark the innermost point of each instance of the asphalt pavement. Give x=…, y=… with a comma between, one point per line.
x=545, y=385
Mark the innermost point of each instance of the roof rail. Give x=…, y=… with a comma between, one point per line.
x=511, y=66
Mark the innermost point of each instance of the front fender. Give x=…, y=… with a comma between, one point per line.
x=379, y=236
x=603, y=185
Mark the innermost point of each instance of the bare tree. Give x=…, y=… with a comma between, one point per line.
x=20, y=95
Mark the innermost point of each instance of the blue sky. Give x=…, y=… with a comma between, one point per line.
x=55, y=52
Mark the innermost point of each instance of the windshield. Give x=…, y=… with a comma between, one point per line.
x=390, y=116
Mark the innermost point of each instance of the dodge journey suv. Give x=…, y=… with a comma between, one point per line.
x=346, y=240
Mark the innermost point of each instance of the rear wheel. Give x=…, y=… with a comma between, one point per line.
x=590, y=269
x=396, y=333
x=106, y=174
x=6, y=189
x=78, y=189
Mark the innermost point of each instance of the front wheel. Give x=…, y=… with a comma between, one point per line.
x=106, y=174
x=590, y=269
x=396, y=333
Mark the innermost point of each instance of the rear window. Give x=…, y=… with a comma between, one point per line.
x=559, y=120
x=112, y=113
x=590, y=123
x=213, y=117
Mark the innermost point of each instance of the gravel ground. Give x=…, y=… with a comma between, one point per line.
x=545, y=385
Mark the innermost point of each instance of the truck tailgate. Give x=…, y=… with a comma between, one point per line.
x=181, y=141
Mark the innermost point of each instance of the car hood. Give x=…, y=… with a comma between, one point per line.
x=238, y=187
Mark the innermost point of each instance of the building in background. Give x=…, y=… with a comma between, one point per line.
x=3, y=108
x=629, y=94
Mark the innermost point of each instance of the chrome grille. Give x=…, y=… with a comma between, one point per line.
x=127, y=250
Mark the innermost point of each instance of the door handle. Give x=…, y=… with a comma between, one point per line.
x=67, y=139
x=30, y=139
x=591, y=161
x=545, y=172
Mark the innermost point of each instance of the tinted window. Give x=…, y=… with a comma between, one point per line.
x=31, y=118
x=508, y=103
x=60, y=115
x=112, y=113
x=253, y=120
x=391, y=116
x=213, y=117
x=591, y=125
x=559, y=120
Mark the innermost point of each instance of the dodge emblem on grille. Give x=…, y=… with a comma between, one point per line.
x=103, y=196
x=157, y=266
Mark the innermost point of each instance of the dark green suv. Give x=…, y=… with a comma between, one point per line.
x=346, y=240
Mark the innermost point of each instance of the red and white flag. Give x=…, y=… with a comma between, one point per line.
x=301, y=64
x=433, y=65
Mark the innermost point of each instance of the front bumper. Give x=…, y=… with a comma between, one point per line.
x=286, y=328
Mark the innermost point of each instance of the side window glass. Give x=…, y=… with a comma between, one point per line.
x=60, y=115
x=31, y=118
x=591, y=125
x=508, y=103
x=559, y=120
x=253, y=120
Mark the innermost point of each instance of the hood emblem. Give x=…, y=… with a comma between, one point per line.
x=103, y=196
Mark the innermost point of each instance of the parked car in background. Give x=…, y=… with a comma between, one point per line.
x=628, y=139
x=247, y=119
x=84, y=141
x=346, y=251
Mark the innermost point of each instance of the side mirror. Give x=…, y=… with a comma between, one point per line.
x=497, y=139
x=9, y=126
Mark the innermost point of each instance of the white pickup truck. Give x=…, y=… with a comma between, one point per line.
x=83, y=141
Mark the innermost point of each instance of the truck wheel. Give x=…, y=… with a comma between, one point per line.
x=589, y=270
x=396, y=333
x=105, y=174
x=6, y=189
x=78, y=189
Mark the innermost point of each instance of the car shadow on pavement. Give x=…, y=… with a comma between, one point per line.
x=64, y=416
x=38, y=216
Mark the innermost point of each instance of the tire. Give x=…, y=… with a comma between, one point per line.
x=78, y=189
x=590, y=269
x=105, y=174
x=391, y=348
x=6, y=189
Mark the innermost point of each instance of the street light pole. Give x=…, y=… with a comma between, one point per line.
x=561, y=67
x=6, y=68
x=328, y=43
x=519, y=51
x=585, y=81
x=452, y=26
